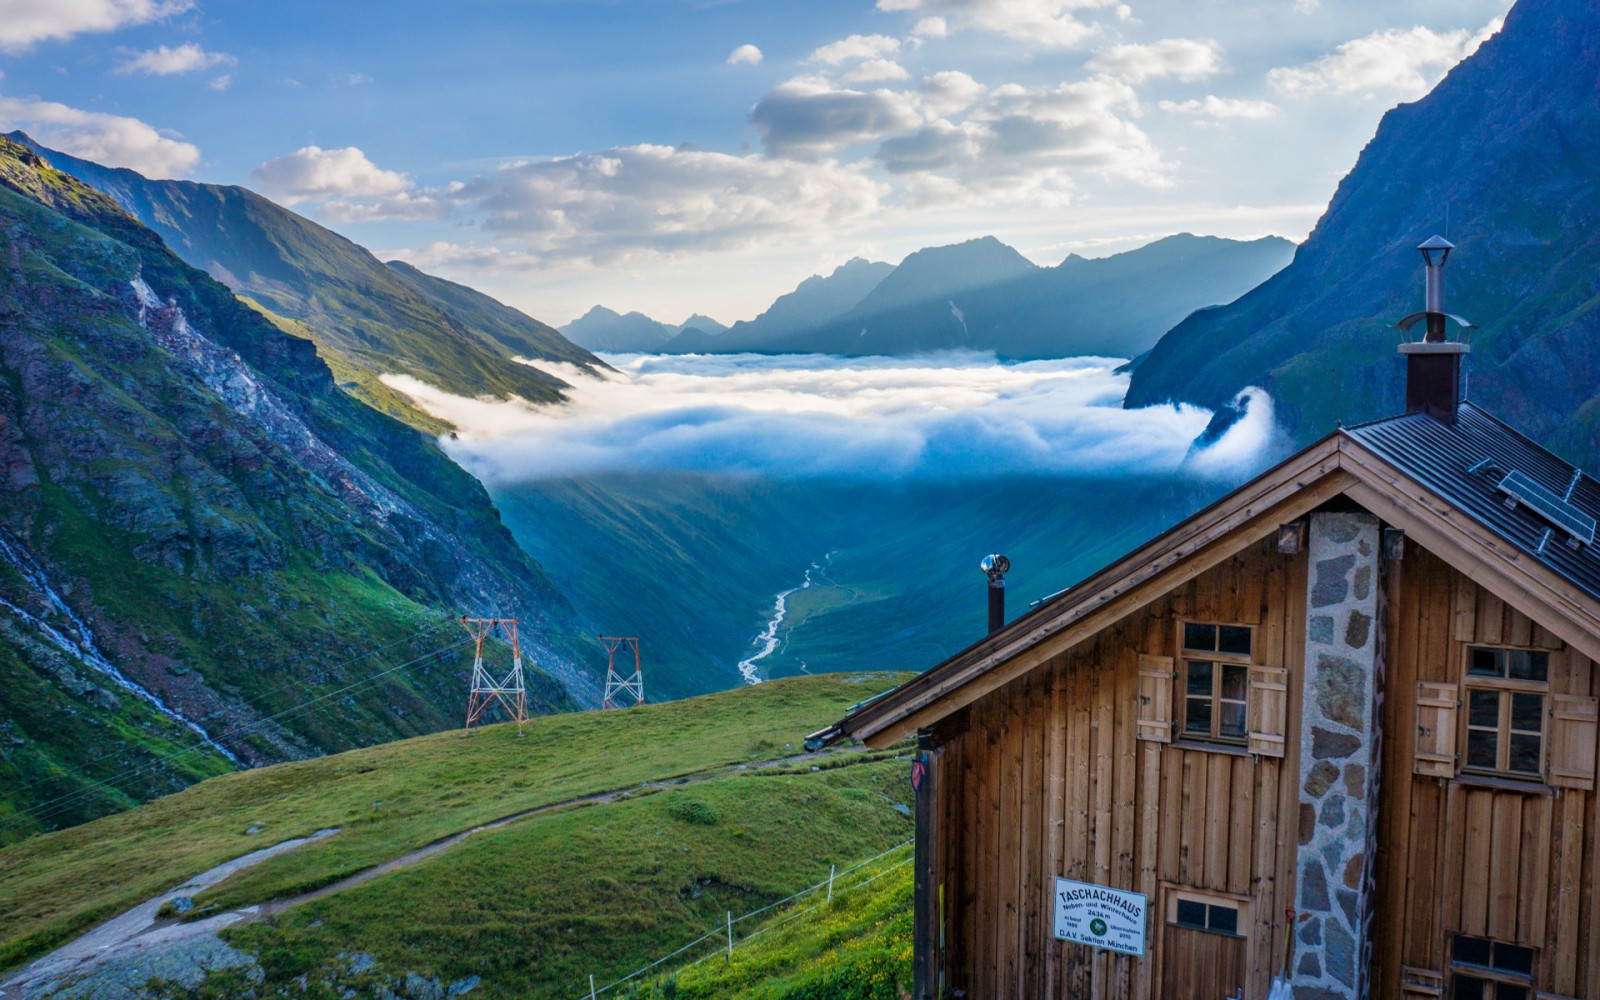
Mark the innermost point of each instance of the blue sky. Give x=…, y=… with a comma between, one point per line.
x=559, y=154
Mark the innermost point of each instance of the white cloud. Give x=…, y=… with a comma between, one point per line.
x=25, y=22
x=1396, y=63
x=164, y=61
x=1053, y=23
x=954, y=415
x=877, y=69
x=745, y=54
x=657, y=201
x=853, y=48
x=405, y=206
x=1185, y=58
x=356, y=79
x=808, y=116
x=931, y=27
x=112, y=140
x=465, y=259
x=1028, y=142
x=316, y=174
x=221, y=83
x=1212, y=106
x=946, y=93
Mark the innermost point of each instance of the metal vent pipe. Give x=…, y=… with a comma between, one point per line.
x=995, y=567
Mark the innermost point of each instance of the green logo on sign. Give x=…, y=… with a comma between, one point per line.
x=1098, y=926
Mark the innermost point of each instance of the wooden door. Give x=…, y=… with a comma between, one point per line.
x=1201, y=965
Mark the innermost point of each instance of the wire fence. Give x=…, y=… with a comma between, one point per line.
x=724, y=930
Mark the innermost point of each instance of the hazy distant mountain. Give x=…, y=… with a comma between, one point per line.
x=984, y=295
x=935, y=273
x=702, y=322
x=814, y=301
x=367, y=319
x=602, y=329
x=1509, y=141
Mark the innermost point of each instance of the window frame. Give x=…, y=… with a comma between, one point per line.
x=1240, y=905
x=1492, y=975
x=1505, y=688
x=1218, y=660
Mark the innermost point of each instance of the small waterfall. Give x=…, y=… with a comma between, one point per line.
x=78, y=639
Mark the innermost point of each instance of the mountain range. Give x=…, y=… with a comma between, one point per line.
x=366, y=317
x=1503, y=158
x=210, y=554
x=976, y=295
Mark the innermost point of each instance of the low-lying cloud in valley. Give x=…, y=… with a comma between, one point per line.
x=948, y=416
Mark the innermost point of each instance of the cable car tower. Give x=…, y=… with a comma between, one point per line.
x=632, y=687
x=508, y=690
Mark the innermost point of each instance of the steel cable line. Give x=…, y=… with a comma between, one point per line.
x=281, y=688
x=57, y=806
x=52, y=809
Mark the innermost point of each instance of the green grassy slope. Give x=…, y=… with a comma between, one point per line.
x=393, y=798
x=374, y=318
x=235, y=531
x=858, y=947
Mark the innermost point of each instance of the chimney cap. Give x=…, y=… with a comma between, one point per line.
x=995, y=566
x=1436, y=250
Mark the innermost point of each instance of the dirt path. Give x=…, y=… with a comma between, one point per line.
x=138, y=940
x=445, y=843
x=115, y=959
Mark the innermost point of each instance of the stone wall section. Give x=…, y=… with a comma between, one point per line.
x=1338, y=757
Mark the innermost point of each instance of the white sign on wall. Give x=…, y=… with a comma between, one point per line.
x=1100, y=917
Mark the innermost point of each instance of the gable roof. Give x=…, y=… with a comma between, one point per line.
x=1412, y=471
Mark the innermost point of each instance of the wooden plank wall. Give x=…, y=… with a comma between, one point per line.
x=1516, y=866
x=1048, y=779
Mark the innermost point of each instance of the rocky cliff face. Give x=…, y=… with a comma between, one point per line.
x=1509, y=146
x=200, y=533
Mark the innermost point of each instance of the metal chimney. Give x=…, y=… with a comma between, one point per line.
x=995, y=567
x=1433, y=364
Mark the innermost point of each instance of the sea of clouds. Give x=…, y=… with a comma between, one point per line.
x=947, y=416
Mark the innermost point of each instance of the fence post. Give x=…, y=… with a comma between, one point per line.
x=730, y=935
x=831, y=870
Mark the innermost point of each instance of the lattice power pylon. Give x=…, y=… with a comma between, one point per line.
x=487, y=689
x=616, y=685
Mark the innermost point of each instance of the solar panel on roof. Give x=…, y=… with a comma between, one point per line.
x=1548, y=505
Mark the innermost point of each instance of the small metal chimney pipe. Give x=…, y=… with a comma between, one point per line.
x=995, y=567
x=1433, y=364
x=1434, y=253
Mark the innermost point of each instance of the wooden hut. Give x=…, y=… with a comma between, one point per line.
x=1338, y=726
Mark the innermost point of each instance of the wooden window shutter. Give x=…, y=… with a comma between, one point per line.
x=1436, y=729
x=1569, y=760
x=1417, y=983
x=1269, y=709
x=1155, y=698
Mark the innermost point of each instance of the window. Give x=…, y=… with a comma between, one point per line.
x=1481, y=969
x=1199, y=911
x=1504, y=703
x=1208, y=917
x=1216, y=681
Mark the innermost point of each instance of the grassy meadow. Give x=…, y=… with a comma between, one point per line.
x=396, y=797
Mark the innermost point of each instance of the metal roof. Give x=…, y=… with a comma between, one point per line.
x=1466, y=463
